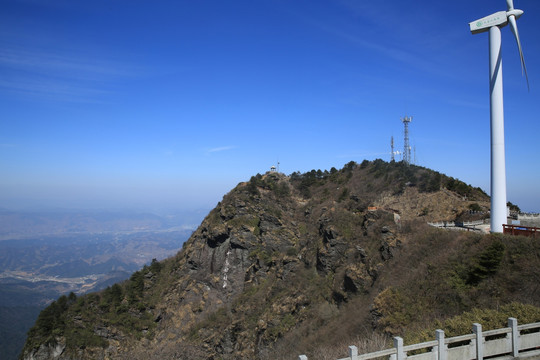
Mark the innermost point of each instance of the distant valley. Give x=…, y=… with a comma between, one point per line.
x=46, y=254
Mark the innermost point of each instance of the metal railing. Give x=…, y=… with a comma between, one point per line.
x=521, y=230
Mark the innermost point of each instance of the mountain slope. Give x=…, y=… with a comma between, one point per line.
x=289, y=265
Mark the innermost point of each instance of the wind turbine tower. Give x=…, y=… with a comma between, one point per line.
x=406, y=147
x=493, y=23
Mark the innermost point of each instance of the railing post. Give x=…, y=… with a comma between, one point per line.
x=302, y=357
x=398, y=344
x=441, y=348
x=512, y=323
x=353, y=352
x=477, y=329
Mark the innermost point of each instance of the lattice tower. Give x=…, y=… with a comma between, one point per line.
x=406, y=147
x=392, y=146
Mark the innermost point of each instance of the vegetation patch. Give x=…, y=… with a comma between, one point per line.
x=123, y=306
x=489, y=318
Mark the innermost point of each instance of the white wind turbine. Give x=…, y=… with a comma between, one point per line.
x=493, y=23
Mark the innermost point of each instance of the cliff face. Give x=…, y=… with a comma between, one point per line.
x=276, y=268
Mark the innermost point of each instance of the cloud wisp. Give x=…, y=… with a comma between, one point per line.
x=220, y=149
x=57, y=75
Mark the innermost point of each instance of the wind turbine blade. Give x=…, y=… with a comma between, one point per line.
x=513, y=26
x=510, y=4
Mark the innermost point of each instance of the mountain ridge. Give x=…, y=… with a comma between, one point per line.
x=278, y=265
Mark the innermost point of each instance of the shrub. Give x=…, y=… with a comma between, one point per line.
x=487, y=263
x=82, y=338
x=135, y=286
x=282, y=190
x=395, y=310
x=344, y=194
x=513, y=207
x=475, y=207
x=292, y=251
x=155, y=266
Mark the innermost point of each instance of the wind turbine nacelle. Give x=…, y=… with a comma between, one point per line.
x=483, y=24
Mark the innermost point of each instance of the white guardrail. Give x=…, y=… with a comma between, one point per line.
x=512, y=342
x=456, y=223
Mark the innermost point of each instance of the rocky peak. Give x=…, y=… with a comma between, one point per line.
x=273, y=254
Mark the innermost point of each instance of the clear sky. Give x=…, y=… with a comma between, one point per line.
x=155, y=104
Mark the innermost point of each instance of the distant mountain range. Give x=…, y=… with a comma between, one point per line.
x=46, y=254
x=19, y=224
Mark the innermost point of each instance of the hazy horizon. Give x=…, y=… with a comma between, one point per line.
x=162, y=204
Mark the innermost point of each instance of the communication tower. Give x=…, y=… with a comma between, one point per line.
x=392, y=146
x=406, y=147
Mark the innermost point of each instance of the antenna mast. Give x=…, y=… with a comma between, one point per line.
x=406, y=147
x=392, y=146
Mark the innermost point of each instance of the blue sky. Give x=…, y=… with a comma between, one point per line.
x=163, y=104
